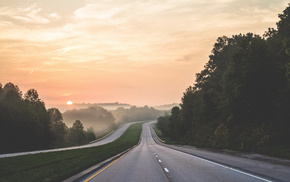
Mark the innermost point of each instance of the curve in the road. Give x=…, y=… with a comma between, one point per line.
x=153, y=162
x=112, y=137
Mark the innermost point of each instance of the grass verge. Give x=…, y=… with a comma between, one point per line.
x=57, y=166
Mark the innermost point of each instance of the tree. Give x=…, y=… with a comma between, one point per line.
x=97, y=117
x=241, y=98
x=54, y=115
x=90, y=136
x=23, y=125
x=57, y=127
x=31, y=95
x=1, y=92
x=76, y=134
x=162, y=125
x=12, y=92
x=284, y=24
x=175, y=126
x=288, y=74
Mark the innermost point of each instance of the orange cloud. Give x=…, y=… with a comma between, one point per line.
x=140, y=52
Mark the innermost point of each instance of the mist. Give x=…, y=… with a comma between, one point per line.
x=102, y=120
x=123, y=115
x=95, y=117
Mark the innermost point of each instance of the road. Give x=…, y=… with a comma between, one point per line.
x=154, y=162
x=115, y=135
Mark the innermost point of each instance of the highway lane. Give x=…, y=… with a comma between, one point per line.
x=252, y=164
x=115, y=135
x=152, y=162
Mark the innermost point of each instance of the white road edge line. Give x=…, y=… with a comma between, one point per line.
x=233, y=169
x=224, y=166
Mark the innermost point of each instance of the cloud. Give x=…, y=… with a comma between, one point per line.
x=188, y=57
x=30, y=14
x=96, y=42
x=95, y=11
x=55, y=15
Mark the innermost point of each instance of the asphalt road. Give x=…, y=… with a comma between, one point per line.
x=115, y=135
x=154, y=162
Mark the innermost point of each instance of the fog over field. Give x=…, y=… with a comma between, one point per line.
x=107, y=106
x=96, y=117
x=103, y=119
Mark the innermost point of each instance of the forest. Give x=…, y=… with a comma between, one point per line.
x=136, y=114
x=241, y=99
x=96, y=118
x=26, y=124
x=100, y=120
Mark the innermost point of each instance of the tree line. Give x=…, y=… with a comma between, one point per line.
x=241, y=99
x=95, y=117
x=26, y=124
x=134, y=113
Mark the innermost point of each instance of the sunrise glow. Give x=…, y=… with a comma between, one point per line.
x=136, y=52
x=69, y=103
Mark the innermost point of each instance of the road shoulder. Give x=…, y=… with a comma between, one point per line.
x=269, y=167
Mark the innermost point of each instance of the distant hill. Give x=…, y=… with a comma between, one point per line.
x=107, y=106
x=145, y=113
x=166, y=107
x=97, y=117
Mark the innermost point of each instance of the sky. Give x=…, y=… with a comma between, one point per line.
x=140, y=52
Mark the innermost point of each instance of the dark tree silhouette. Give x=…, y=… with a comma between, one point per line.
x=240, y=100
x=31, y=95
x=58, y=128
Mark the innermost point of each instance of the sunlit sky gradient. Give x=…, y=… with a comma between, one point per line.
x=141, y=52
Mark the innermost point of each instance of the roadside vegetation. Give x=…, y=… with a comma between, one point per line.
x=27, y=125
x=94, y=117
x=241, y=98
x=57, y=166
x=164, y=139
x=134, y=113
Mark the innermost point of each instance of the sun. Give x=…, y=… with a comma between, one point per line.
x=69, y=103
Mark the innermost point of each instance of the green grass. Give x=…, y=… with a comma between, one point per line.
x=57, y=166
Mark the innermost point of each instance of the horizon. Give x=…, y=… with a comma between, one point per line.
x=136, y=52
x=108, y=106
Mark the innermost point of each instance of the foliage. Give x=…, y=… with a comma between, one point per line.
x=76, y=134
x=162, y=124
x=241, y=98
x=57, y=127
x=26, y=125
x=97, y=117
x=57, y=166
x=136, y=114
